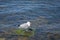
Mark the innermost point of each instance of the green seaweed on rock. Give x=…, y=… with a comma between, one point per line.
x=24, y=33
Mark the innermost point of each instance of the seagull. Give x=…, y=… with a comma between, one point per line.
x=25, y=25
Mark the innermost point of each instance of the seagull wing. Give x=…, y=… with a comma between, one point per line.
x=25, y=25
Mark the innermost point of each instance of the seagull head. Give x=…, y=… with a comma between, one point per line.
x=29, y=23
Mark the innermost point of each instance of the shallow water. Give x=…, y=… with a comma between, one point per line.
x=15, y=12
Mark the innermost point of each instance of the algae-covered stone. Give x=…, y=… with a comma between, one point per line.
x=19, y=31
x=24, y=32
x=29, y=33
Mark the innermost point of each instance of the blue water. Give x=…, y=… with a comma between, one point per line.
x=14, y=12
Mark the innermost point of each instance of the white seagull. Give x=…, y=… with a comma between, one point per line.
x=25, y=25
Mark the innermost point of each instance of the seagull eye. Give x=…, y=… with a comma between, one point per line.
x=18, y=25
